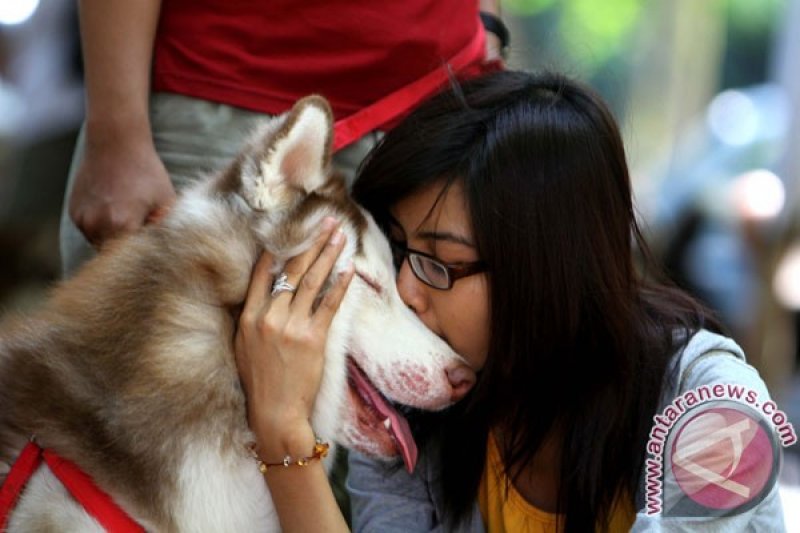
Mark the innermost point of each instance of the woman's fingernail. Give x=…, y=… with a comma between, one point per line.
x=328, y=223
x=338, y=235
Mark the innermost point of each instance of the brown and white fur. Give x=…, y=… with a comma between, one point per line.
x=128, y=369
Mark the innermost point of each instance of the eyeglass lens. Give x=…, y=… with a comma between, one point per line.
x=430, y=271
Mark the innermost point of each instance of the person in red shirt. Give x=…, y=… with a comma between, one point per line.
x=174, y=87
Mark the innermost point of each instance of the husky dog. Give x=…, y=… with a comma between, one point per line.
x=128, y=371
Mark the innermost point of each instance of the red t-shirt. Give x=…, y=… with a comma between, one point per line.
x=265, y=54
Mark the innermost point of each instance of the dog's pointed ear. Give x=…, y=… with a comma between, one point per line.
x=292, y=161
x=300, y=152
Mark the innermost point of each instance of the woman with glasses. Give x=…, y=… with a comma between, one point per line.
x=508, y=205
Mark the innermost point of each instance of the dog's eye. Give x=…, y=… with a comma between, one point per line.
x=371, y=283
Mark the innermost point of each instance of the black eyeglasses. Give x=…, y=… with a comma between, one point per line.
x=430, y=270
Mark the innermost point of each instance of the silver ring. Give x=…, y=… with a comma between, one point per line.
x=282, y=285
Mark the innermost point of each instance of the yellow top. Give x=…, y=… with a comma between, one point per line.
x=514, y=514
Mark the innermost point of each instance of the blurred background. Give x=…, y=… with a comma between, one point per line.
x=707, y=91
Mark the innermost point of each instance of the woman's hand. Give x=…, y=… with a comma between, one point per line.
x=280, y=345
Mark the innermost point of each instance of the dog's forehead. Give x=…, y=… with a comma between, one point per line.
x=375, y=257
x=334, y=200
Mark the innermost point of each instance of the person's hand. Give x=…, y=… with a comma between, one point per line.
x=280, y=344
x=121, y=185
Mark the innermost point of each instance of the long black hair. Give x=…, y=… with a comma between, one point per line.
x=580, y=341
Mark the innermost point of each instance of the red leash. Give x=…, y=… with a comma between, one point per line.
x=95, y=501
x=391, y=106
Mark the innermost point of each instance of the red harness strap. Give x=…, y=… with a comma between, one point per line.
x=96, y=502
x=23, y=468
x=391, y=106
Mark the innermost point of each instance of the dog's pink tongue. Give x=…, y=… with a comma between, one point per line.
x=398, y=424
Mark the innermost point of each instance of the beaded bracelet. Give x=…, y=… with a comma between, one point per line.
x=320, y=451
